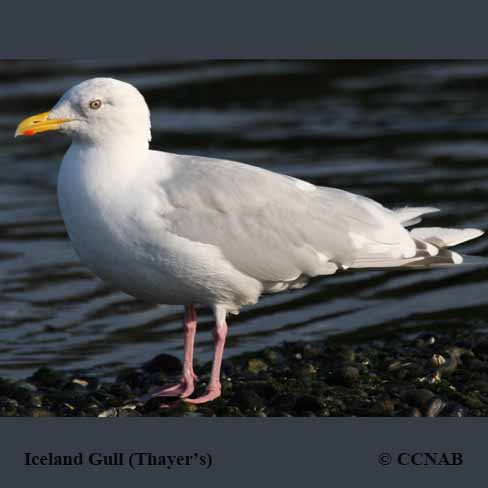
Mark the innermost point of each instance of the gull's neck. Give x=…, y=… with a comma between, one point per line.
x=118, y=157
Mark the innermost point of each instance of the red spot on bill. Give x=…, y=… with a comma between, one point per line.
x=29, y=132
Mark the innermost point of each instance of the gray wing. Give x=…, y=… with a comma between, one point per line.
x=271, y=227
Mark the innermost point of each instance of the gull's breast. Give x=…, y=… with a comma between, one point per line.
x=102, y=212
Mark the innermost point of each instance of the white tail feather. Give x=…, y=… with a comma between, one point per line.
x=411, y=215
x=431, y=244
x=443, y=237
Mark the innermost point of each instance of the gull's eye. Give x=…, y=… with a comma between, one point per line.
x=95, y=104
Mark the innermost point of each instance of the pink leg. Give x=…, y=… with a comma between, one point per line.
x=214, y=388
x=186, y=385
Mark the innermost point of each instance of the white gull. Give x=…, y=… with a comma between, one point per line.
x=190, y=230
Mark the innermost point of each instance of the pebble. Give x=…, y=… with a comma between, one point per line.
x=26, y=386
x=382, y=408
x=413, y=412
x=228, y=369
x=434, y=407
x=285, y=402
x=230, y=411
x=8, y=406
x=48, y=377
x=273, y=357
x=111, y=412
x=40, y=412
x=163, y=362
x=307, y=403
x=453, y=409
x=121, y=390
x=346, y=375
x=438, y=360
x=133, y=377
x=418, y=398
x=425, y=340
x=264, y=389
x=481, y=346
x=346, y=353
x=452, y=363
x=256, y=366
x=394, y=366
x=23, y=393
x=246, y=399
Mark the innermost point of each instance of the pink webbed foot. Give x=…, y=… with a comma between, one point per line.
x=186, y=385
x=181, y=390
x=213, y=392
x=214, y=389
x=184, y=388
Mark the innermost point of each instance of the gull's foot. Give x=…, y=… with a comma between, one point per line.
x=213, y=392
x=177, y=390
x=184, y=388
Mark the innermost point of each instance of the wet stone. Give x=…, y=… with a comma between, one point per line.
x=311, y=351
x=39, y=412
x=133, y=377
x=36, y=400
x=451, y=364
x=474, y=402
x=229, y=411
x=434, y=407
x=418, y=398
x=21, y=394
x=163, y=362
x=91, y=408
x=307, y=403
x=306, y=371
x=346, y=353
x=26, y=386
x=481, y=347
x=256, y=366
x=228, y=369
x=133, y=413
x=394, y=366
x=413, y=412
x=273, y=357
x=382, y=408
x=264, y=389
x=426, y=340
x=454, y=410
x=5, y=386
x=438, y=360
x=480, y=385
x=121, y=390
x=246, y=399
x=477, y=364
x=346, y=375
x=8, y=406
x=73, y=390
x=48, y=377
x=111, y=412
x=284, y=402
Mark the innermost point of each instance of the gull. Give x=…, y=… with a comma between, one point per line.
x=191, y=230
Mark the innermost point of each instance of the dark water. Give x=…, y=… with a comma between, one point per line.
x=401, y=133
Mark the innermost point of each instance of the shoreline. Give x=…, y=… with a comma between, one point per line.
x=438, y=373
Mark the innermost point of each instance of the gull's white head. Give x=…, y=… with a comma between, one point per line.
x=97, y=111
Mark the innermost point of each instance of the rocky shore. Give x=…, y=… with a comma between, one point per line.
x=443, y=373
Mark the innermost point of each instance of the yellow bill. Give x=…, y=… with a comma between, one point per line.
x=38, y=123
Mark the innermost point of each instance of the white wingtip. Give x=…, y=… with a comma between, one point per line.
x=445, y=237
x=408, y=216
